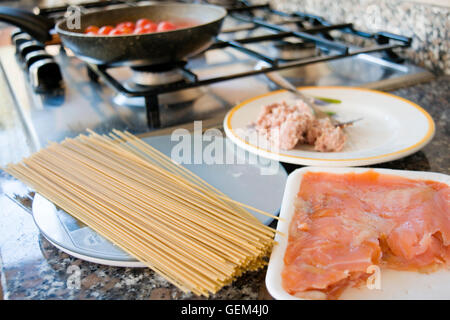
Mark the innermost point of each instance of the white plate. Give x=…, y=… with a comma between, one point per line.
x=394, y=284
x=392, y=127
x=242, y=182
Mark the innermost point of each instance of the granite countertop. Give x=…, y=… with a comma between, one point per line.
x=31, y=268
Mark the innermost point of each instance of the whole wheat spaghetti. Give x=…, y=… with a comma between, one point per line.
x=156, y=210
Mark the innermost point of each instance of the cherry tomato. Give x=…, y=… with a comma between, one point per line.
x=140, y=30
x=92, y=29
x=125, y=30
x=165, y=26
x=150, y=27
x=125, y=25
x=142, y=22
x=105, y=30
x=115, y=32
x=141, y=26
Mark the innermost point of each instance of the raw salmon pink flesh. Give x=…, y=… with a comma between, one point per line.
x=346, y=222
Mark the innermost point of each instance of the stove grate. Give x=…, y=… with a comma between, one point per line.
x=310, y=29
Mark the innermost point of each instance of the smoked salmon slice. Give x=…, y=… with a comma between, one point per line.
x=344, y=223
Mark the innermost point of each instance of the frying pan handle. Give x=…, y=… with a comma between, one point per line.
x=37, y=26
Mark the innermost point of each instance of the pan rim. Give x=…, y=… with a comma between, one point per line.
x=61, y=31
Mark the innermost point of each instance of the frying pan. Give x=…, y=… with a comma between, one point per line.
x=131, y=50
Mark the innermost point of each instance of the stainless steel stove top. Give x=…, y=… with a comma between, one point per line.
x=86, y=104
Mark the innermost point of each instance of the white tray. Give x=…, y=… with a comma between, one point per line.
x=394, y=284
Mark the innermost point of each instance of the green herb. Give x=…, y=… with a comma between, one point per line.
x=328, y=100
x=330, y=113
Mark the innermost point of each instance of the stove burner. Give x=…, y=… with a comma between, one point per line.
x=287, y=50
x=147, y=78
x=160, y=67
x=165, y=99
x=158, y=74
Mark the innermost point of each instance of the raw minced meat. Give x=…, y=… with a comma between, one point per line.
x=325, y=136
x=286, y=125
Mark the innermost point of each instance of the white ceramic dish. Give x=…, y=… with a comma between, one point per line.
x=392, y=127
x=394, y=284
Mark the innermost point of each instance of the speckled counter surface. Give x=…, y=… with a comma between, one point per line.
x=31, y=268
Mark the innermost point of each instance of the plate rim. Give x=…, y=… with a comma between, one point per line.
x=273, y=274
x=74, y=251
x=301, y=160
x=97, y=260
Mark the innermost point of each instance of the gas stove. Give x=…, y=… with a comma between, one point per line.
x=59, y=96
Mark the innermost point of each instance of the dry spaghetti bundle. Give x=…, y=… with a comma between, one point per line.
x=156, y=210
